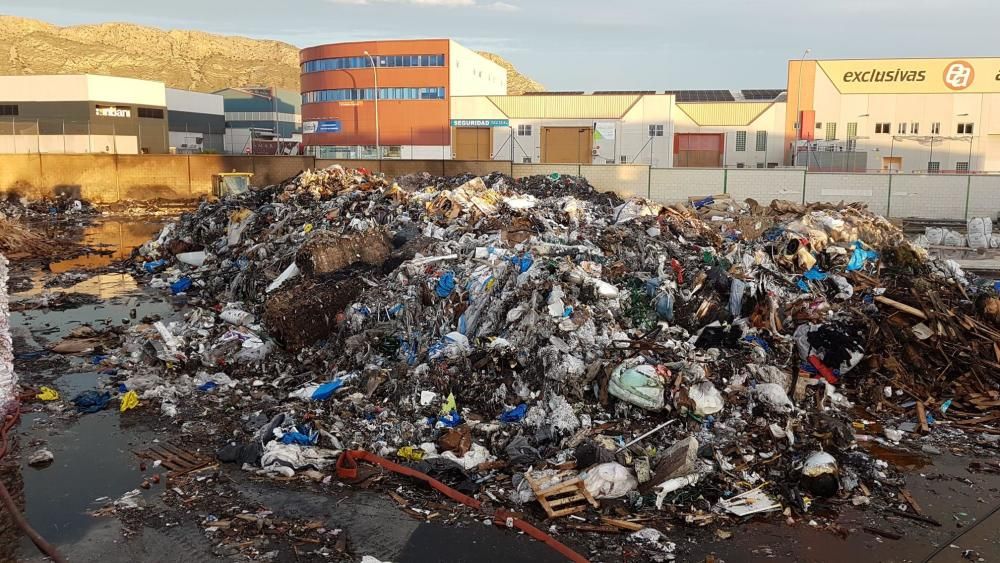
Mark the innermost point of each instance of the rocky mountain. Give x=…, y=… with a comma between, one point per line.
x=517, y=83
x=191, y=60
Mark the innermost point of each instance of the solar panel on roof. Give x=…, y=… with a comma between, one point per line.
x=553, y=93
x=761, y=94
x=629, y=92
x=702, y=95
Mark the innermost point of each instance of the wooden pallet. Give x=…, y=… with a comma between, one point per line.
x=566, y=497
x=175, y=459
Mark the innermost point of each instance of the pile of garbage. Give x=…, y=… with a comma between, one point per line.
x=565, y=352
x=63, y=205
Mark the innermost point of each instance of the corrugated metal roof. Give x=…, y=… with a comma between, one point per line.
x=565, y=107
x=724, y=113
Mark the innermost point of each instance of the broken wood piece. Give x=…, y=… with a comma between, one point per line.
x=623, y=524
x=593, y=528
x=922, y=417
x=564, y=498
x=901, y=306
x=911, y=501
x=917, y=517
x=884, y=533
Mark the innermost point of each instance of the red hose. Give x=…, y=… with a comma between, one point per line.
x=347, y=469
x=45, y=547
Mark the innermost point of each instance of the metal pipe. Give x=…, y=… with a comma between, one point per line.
x=798, y=105
x=378, y=141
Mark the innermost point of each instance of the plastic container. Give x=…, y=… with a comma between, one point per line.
x=638, y=383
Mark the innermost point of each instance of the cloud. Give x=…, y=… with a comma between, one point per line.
x=494, y=6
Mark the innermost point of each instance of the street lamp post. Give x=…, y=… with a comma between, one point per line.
x=798, y=104
x=378, y=143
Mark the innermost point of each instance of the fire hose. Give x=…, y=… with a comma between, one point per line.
x=347, y=468
x=45, y=547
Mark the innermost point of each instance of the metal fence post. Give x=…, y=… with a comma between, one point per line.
x=888, y=203
x=805, y=175
x=725, y=180
x=968, y=189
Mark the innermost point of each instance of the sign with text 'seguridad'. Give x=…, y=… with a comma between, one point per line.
x=480, y=123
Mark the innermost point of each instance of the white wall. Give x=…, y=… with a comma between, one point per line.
x=24, y=144
x=195, y=102
x=472, y=75
x=126, y=90
x=43, y=88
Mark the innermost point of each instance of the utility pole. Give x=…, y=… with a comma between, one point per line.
x=378, y=141
x=798, y=106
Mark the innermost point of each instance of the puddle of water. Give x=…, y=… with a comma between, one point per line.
x=899, y=458
x=119, y=236
x=93, y=459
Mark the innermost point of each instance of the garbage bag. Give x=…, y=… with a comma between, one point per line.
x=48, y=394
x=318, y=392
x=860, y=257
x=609, y=480
x=129, y=401
x=91, y=401
x=638, y=383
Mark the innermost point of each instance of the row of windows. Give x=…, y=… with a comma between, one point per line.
x=741, y=141
x=387, y=61
x=8, y=109
x=885, y=128
x=152, y=113
x=353, y=94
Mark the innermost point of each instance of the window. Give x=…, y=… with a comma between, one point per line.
x=772, y=164
x=819, y=124
x=936, y=128
x=655, y=130
x=961, y=167
x=760, y=165
x=933, y=167
x=964, y=128
x=623, y=159
x=352, y=94
x=740, y=165
x=389, y=61
x=901, y=128
x=831, y=131
x=741, y=141
x=761, y=141
x=852, y=130
x=882, y=128
x=526, y=160
x=524, y=130
x=914, y=128
x=152, y=113
x=8, y=109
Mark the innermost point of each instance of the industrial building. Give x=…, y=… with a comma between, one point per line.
x=415, y=82
x=196, y=122
x=906, y=115
x=82, y=113
x=262, y=120
x=686, y=128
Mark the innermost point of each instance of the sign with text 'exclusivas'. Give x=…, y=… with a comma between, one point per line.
x=914, y=76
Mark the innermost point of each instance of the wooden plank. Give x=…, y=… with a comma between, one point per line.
x=922, y=417
x=901, y=306
x=623, y=524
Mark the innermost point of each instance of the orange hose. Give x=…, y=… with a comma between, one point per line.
x=347, y=468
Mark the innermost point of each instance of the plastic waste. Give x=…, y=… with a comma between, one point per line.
x=90, y=402
x=445, y=285
x=41, y=458
x=237, y=317
x=449, y=405
x=48, y=394
x=704, y=399
x=196, y=259
x=820, y=474
x=638, y=383
x=129, y=401
x=860, y=256
x=671, y=485
x=609, y=480
x=181, y=285
x=154, y=266
x=290, y=272
x=318, y=392
x=773, y=396
x=514, y=415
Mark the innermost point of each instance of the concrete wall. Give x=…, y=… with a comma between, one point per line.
x=107, y=178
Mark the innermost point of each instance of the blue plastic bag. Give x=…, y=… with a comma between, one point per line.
x=523, y=263
x=515, y=414
x=299, y=438
x=815, y=274
x=153, y=266
x=180, y=286
x=91, y=401
x=445, y=285
x=860, y=256
x=326, y=390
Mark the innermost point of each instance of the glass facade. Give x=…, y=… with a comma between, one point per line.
x=353, y=94
x=384, y=61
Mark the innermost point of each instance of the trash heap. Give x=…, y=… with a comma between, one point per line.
x=63, y=205
x=547, y=347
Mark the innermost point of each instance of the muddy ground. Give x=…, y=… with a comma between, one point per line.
x=96, y=463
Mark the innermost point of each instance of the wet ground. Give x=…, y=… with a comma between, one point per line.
x=95, y=461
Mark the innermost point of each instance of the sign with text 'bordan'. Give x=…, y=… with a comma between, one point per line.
x=914, y=76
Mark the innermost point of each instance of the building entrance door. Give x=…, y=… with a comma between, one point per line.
x=472, y=143
x=567, y=145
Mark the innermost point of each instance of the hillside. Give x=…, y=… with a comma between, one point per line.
x=191, y=60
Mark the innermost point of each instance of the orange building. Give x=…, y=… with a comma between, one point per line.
x=416, y=80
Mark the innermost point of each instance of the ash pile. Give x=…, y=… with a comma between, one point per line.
x=611, y=365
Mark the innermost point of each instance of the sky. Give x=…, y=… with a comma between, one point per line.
x=590, y=44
